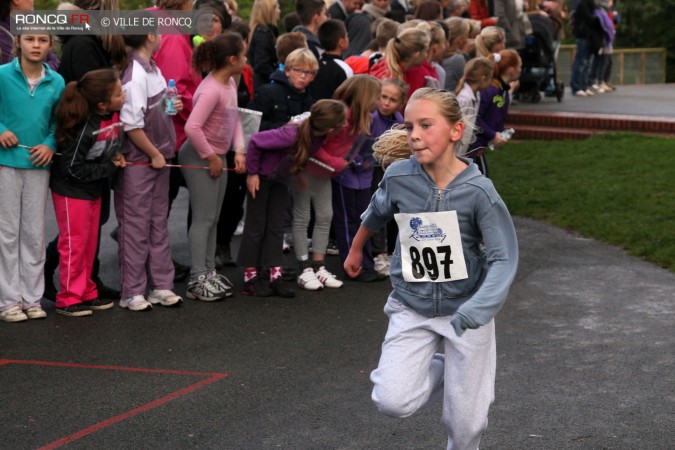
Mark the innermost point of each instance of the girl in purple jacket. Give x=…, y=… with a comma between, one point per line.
x=273, y=157
x=494, y=106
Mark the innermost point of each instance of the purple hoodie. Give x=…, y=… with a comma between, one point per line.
x=492, y=112
x=607, y=27
x=359, y=174
x=270, y=152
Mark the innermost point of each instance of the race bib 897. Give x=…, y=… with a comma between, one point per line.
x=431, y=247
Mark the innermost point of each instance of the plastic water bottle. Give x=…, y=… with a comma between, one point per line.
x=506, y=135
x=170, y=97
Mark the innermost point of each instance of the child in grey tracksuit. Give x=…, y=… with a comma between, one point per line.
x=455, y=258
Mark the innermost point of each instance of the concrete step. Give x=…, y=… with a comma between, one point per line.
x=531, y=132
x=566, y=125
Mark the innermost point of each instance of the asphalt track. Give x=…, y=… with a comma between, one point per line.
x=585, y=361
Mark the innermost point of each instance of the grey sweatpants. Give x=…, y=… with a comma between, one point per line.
x=318, y=194
x=23, y=201
x=206, y=200
x=411, y=375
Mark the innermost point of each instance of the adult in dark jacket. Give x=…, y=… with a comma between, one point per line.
x=262, y=55
x=359, y=25
x=399, y=9
x=586, y=26
x=341, y=9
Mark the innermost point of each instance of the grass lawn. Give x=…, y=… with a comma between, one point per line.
x=617, y=188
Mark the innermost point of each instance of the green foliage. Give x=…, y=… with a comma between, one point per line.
x=648, y=23
x=615, y=188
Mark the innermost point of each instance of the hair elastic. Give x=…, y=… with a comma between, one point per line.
x=497, y=57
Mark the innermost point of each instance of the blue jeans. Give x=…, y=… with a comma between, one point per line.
x=580, y=66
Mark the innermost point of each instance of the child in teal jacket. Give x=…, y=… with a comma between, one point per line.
x=29, y=93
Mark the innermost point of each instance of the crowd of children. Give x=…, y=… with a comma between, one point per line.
x=324, y=155
x=320, y=197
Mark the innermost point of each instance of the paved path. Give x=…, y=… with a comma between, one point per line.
x=586, y=360
x=652, y=100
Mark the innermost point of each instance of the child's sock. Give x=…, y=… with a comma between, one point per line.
x=316, y=265
x=249, y=274
x=275, y=272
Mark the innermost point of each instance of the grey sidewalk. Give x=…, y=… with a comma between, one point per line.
x=652, y=100
x=585, y=361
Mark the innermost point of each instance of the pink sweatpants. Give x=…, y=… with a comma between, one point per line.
x=78, y=238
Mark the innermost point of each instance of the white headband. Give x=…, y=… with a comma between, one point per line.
x=497, y=57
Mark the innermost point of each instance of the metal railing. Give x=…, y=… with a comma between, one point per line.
x=629, y=65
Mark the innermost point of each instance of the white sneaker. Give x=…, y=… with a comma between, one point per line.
x=581, y=93
x=136, y=303
x=308, y=280
x=35, y=312
x=220, y=281
x=327, y=278
x=597, y=89
x=13, y=314
x=164, y=297
x=205, y=289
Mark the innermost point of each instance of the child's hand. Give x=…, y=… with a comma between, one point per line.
x=178, y=104
x=514, y=86
x=8, y=139
x=240, y=162
x=499, y=140
x=215, y=166
x=158, y=161
x=253, y=184
x=41, y=155
x=352, y=264
x=119, y=161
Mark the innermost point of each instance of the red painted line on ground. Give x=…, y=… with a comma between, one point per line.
x=211, y=378
x=93, y=366
x=113, y=420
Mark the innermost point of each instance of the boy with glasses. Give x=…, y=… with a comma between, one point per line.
x=286, y=94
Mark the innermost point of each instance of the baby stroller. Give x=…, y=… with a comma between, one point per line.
x=539, y=69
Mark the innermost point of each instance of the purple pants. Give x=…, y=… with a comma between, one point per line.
x=348, y=205
x=141, y=207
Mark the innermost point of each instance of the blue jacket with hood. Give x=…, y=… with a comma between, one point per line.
x=488, y=238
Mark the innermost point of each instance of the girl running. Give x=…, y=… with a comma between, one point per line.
x=455, y=258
